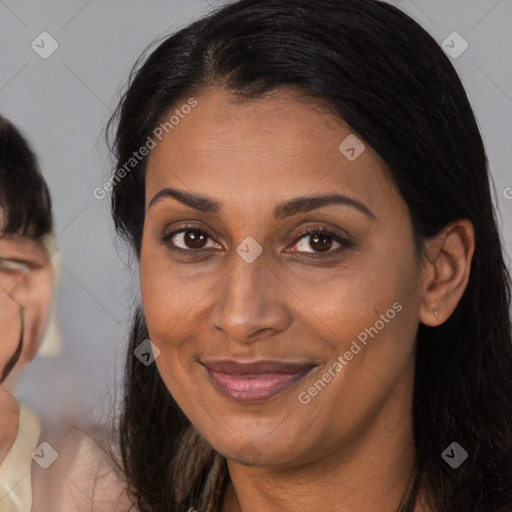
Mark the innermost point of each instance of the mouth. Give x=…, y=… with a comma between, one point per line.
x=256, y=381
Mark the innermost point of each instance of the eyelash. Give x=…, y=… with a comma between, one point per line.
x=345, y=243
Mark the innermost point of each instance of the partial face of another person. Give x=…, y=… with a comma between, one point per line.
x=256, y=290
x=26, y=282
x=11, y=321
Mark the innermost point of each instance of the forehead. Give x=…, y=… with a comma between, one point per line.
x=279, y=145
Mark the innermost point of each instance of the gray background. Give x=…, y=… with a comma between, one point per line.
x=62, y=104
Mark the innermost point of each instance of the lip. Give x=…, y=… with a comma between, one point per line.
x=255, y=381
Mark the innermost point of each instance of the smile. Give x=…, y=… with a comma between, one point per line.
x=254, y=382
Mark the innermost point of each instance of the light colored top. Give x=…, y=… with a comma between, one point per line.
x=83, y=478
x=15, y=470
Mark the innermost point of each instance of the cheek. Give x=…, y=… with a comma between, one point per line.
x=165, y=300
x=172, y=311
x=371, y=313
x=168, y=295
x=355, y=298
x=10, y=328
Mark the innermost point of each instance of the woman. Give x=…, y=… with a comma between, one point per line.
x=40, y=469
x=26, y=285
x=322, y=277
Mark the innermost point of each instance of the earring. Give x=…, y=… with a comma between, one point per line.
x=436, y=313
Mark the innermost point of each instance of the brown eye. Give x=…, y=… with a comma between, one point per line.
x=188, y=239
x=194, y=239
x=318, y=241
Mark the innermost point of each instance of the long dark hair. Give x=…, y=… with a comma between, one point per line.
x=389, y=80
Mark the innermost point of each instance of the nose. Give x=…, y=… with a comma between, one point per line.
x=250, y=303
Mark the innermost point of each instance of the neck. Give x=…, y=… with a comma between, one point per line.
x=371, y=473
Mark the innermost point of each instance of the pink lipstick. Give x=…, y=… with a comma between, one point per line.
x=256, y=381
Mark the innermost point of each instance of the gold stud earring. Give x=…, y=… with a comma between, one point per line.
x=436, y=313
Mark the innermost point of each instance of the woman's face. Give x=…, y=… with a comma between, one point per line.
x=26, y=281
x=279, y=345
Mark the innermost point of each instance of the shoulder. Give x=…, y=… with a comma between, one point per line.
x=83, y=475
x=15, y=486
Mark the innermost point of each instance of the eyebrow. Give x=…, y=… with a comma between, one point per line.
x=28, y=251
x=287, y=209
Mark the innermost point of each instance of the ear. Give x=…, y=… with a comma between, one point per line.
x=447, y=266
x=51, y=346
x=39, y=284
